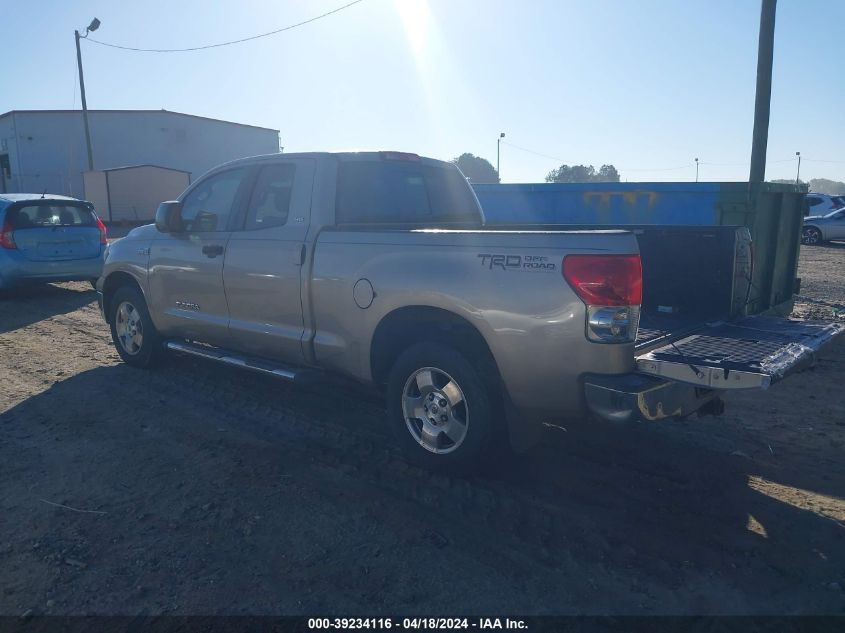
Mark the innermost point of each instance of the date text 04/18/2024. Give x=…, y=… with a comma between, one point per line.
x=417, y=623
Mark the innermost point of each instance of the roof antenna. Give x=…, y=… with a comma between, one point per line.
x=44, y=193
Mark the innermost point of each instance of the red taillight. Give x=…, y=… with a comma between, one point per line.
x=7, y=236
x=605, y=280
x=103, y=232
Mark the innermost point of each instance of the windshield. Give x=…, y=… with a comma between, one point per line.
x=38, y=215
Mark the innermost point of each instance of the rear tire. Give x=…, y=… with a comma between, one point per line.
x=444, y=411
x=811, y=236
x=133, y=333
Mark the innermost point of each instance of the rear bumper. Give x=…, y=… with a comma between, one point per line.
x=19, y=273
x=635, y=397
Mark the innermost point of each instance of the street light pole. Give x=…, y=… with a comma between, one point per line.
x=696, y=170
x=498, y=154
x=95, y=24
x=798, y=173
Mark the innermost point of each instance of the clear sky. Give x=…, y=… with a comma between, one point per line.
x=646, y=85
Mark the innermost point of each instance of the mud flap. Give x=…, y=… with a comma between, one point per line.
x=753, y=352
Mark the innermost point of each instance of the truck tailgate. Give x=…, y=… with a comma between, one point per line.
x=755, y=351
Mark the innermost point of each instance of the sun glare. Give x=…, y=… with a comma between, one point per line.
x=417, y=20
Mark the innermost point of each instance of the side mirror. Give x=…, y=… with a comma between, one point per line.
x=169, y=217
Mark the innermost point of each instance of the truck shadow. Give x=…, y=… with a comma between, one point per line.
x=676, y=515
x=20, y=307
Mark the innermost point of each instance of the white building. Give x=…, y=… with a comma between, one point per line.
x=45, y=149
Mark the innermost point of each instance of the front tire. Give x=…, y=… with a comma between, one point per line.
x=444, y=410
x=811, y=236
x=133, y=333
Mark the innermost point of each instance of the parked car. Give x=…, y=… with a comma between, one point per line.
x=46, y=238
x=378, y=266
x=820, y=229
x=817, y=204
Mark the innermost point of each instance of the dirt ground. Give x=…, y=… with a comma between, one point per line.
x=194, y=489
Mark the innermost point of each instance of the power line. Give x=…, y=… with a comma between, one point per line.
x=229, y=43
x=679, y=167
x=531, y=151
x=687, y=166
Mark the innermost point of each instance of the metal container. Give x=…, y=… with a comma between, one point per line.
x=773, y=213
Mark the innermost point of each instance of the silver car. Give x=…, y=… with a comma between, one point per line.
x=818, y=229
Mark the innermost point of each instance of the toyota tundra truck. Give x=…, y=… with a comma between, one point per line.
x=378, y=266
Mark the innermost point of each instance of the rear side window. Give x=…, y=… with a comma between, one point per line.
x=51, y=215
x=373, y=192
x=270, y=202
x=813, y=201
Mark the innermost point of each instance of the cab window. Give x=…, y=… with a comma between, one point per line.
x=209, y=205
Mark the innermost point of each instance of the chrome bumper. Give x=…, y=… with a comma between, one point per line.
x=635, y=397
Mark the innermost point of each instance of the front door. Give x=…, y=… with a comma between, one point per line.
x=186, y=267
x=264, y=258
x=835, y=229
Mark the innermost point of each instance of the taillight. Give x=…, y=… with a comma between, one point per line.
x=7, y=236
x=103, y=232
x=611, y=286
x=608, y=280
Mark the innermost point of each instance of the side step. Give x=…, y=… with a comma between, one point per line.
x=244, y=362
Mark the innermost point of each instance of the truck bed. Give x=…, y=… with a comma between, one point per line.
x=656, y=328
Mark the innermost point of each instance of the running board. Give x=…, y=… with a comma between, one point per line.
x=244, y=362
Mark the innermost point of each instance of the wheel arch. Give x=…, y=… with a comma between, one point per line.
x=405, y=326
x=114, y=281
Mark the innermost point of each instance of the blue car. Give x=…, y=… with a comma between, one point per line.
x=46, y=238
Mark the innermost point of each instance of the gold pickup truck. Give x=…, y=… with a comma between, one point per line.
x=378, y=266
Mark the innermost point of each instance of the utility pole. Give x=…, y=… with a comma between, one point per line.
x=498, y=153
x=762, y=104
x=696, y=170
x=798, y=173
x=95, y=24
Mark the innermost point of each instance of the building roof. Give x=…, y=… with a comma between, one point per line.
x=162, y=111
x=184, y=171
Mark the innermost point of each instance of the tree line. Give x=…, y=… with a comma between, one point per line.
x=818, y=185
x=479, y=171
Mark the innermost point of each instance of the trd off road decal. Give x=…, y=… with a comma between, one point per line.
x=525, y=263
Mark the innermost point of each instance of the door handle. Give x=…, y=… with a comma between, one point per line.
x=212, y=250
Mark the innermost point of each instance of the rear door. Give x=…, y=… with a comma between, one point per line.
x=186, y=267
x=264, y=260
x=55, y=230
x=755, y=351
